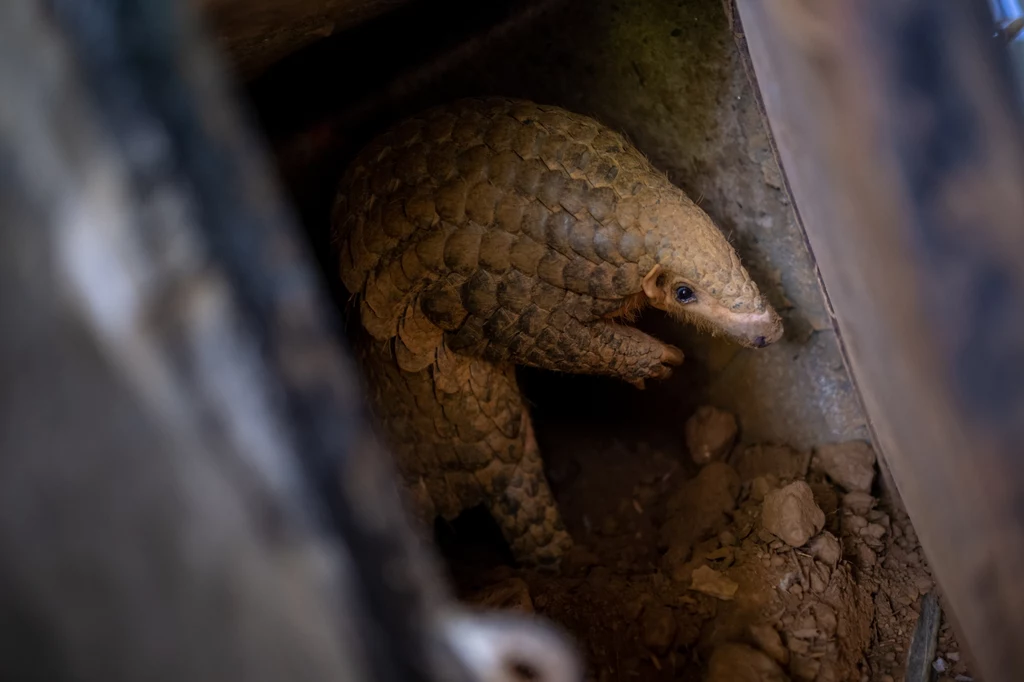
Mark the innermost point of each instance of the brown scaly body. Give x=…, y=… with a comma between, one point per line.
x=496, y=232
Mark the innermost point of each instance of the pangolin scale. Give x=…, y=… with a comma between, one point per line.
x=494, y=232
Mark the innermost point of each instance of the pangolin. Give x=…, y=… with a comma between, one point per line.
x=494, y=232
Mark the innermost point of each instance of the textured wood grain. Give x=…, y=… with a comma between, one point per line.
x=899, y=136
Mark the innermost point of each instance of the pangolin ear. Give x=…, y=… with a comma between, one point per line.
x=650, y=285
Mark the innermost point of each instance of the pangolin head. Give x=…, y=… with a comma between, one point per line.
x=697, y=277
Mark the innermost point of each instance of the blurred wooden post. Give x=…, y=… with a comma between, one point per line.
x=898, y=133
x=189, y=486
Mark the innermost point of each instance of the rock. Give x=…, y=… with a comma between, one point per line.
x=866, y=556
x=710, y=433
x=741, y=663
x=769, y=641
x=761, y=486
x=804, y=668
x=881, y=518
x=858, y=503
x=873, y=530
x=826, y=549
x=819, y=582
x=512, y=594
x=776, y=460
x=679, y=565
x=723, y=557
x=851, y=465
x=708, y=581
x=853, y=524
x=659, y=628
x=682, y=573
x=791, y=514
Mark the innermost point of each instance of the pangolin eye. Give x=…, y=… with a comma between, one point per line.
x=684, y=294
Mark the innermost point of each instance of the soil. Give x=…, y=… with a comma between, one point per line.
x=675, y=576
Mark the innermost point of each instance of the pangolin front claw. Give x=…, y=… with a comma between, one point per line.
x=672, y=356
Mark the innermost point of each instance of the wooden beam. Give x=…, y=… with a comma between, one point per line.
x=898, y=133
x=189, y=485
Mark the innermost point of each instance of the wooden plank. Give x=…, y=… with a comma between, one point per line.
x=190, y=488
x=142, y=534
x=897, y=130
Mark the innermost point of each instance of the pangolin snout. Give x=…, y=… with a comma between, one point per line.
x=756, y=330
x=770, y=328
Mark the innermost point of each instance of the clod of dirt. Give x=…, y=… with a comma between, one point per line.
x=826, y=549
x=707, y=580
x=761, y=486
x=866, y=557
x=769, y=641
x=699, y=508
x=851, y=465
x=659, y=628
x=741, y=663
x=780, y=461
x=511, y=594
x=710, y=434
x=791, y=514
x=805, y=668
x=858, y=503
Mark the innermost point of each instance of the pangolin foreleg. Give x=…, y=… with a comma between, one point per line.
x=601, y=347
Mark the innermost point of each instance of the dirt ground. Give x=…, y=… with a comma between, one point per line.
x=754, y=563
